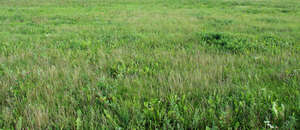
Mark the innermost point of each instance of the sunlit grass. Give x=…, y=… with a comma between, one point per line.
x=74, y=64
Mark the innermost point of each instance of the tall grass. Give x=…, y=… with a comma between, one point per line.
x=152, y=64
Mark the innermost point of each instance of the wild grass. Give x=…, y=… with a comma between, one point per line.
x=152, y=64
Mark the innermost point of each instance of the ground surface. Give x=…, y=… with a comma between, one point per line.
x=149, y=64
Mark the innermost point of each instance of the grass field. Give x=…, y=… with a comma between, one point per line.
x=149, y=64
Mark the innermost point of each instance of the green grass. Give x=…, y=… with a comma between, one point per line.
x=146, y=64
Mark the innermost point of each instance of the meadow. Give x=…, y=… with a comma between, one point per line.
x=149, y=64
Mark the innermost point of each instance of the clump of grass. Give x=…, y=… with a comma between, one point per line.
x=235, y=43
x=228, y=42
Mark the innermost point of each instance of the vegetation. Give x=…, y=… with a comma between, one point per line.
x=147, y=64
